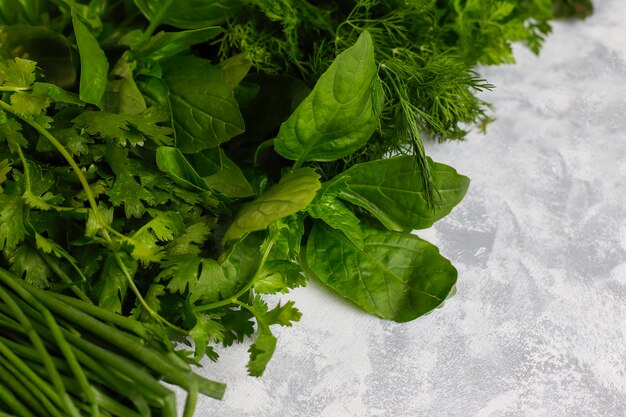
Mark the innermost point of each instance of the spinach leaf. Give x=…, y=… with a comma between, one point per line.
x=396, y=276
x=392, y=190
x=188, y=14
x=335, y=214
x=173, y=163
x=93, y=64
x=204, y=110
x=339, y=115
x=293, y=193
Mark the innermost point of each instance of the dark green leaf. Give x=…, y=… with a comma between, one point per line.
x=203, y=105
x=94, y=66
x=48, y=48
x=392, y=190
x=12, y=228
x=173, y=163
x=221, y=173
x=396, y=276
x=112, y=285
x=27, y=262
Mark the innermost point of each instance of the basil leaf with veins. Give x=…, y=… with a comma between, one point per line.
x=204, y=110
x=392, y=190
x=396, y=276
x=339, y=115
x=293, y=193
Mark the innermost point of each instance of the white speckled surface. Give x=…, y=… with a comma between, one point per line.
x=538, y=324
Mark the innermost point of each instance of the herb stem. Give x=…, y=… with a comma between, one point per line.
x=235, y=298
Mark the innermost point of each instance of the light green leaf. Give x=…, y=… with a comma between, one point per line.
x=392, y=190
x=235, y=69
x=204, y=110
x=293, y=193
x=205, y=329
x=189, y=14
x=55, y=93
x=396, y=276
x=283, y=315
x=261, y=352
x=28, y=105
x=338, y=117
x=17, y=72
x=94, y=66
x=335, y=214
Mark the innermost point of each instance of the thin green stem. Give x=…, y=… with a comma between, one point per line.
x=40, y=346
x=247, y=287
x=156, y=21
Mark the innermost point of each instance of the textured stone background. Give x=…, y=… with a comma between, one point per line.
x=538, y=324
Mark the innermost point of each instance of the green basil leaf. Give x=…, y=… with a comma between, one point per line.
x=173, y=163
x=396, y=276
x=165, y=45
x=392, y=190
x=235, y=69
x=189, y=14
x=94, y=66
x=293, y=193
x=335, y=214
x=203, y=105
x=338, y=117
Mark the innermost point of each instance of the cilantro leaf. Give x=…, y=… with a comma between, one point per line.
x=12, y=228
x=17, y=72
x=128, y=192
x=261, y=352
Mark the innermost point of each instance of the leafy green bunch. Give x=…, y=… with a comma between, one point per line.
x=176, y=161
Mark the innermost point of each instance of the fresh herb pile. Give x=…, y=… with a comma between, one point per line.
x=174, y=161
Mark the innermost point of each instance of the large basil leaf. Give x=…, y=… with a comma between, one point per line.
x=204, y=109
x=392, y=190
x=293, y=193
x=339, y=115
x=396, y=276
x=165, y=45
x=94, y=66
x=188, y=14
